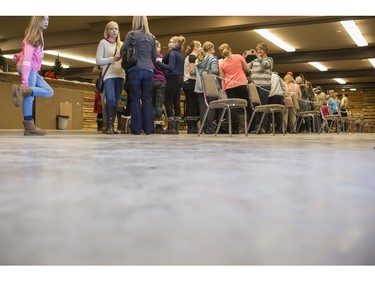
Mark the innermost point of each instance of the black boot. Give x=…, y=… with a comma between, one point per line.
x=171, y=127
x=105, y=127
x=99, y=122
x=177, y=125
x=111, y=117
x=192, y=123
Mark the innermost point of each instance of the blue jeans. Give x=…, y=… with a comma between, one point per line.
x=39, y=87
x=112, y=90
x=158, y=93
x=142, y=116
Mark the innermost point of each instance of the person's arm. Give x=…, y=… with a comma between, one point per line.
x=100, y=55
x=245, y=67
x=214, y=68
x=172, y=62
x=221, y=74
x=154, y=53
x=282, y=84
x=28, y=51
x=266, y=63
x=191, y=65
x=298, y=92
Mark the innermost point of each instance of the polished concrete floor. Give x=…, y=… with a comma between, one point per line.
x=82, y=198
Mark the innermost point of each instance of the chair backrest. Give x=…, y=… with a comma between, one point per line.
x=254, y=95
x=295, y=102
x=209, y=85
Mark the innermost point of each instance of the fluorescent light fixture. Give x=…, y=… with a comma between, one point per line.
x=353, y=89
x=354, y=32
x=318, y=66
x=372, y=62
x=70, y=57
x=274, y=39
x=43, y=62
x=339, y=80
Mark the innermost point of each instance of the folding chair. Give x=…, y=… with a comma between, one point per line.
x=210, y=90
x=303, y=115
x=268, y=108
x=334, y=118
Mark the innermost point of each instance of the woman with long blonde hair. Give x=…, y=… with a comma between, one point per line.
x=28, y=65
x=108, y=56
x=191, y=98
x=141, y=76
x=208, y=63
x=233, y=70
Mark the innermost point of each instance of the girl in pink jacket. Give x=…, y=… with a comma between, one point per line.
x=28, y=65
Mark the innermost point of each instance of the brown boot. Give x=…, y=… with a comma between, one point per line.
x=18, y=92
x=31, y=129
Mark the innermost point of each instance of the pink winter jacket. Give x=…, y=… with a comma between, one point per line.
x=30, y=59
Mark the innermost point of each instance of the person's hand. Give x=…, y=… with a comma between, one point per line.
x=159, y=59
x=246, y=53
x=117, y=57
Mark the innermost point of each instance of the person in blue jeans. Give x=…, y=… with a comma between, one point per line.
x=29, y=62
x=108, y=55
x=141, y=76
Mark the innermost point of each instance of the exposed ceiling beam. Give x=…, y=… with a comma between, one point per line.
x=340, y=73
x=324, y=55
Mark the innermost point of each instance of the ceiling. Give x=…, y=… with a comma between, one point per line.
x=315, y=38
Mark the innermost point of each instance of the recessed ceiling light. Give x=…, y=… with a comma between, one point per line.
x=72, y=57
x=339, y=80
x=354, y=32
x=372, y=62
x=318, y=66
x=274, y=39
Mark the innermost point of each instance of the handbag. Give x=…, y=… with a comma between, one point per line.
x=99, y=84
x=129, y=56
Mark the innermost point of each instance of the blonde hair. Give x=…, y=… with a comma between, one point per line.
x=190, y=48
x=263, y=46
x=289, y=79
x=34, y=32
x=180, y=40
x=205, y=47
x=106, y=32
x=225, y=50
x=157, y=43
x=140, y=23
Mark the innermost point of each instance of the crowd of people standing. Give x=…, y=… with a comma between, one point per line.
x=156, y=80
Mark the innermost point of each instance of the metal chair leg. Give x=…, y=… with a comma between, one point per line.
x=204, y=120
x=220, y=121
x=251, y=120
x=230, y=121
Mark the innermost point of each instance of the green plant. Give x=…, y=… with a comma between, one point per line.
x=57, y=68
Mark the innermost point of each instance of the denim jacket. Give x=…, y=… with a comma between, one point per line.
x=145, y=48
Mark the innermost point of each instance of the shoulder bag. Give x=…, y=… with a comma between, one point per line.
x=129, y=57
x=100, y=81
